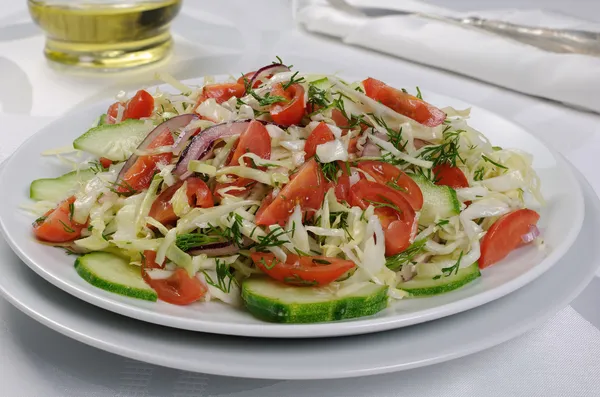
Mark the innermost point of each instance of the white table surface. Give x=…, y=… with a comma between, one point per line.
x=212, y=36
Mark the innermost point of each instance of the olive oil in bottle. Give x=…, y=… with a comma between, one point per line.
x=105, y=34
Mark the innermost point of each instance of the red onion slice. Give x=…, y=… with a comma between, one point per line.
x=371, y=150
x=172, y=124
x=216, y=249
x=533, y=233
x=268, y=70
x=204, y=141
x=419, y=143
x=185, y=135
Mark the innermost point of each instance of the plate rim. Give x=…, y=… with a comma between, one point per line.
x=330, y=329
x=489, y=340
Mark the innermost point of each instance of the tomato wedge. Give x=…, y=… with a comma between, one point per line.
x=289, y=112
x=393, y=210
x=395, y=178
x=318, y=136
x=198, y=194
x=302, y=270
x=403, y=103
x=447, y=175
x=505, y=235
x=221, y=92
x=140, y=105
x=255, y=139
x=306, y=188
x=139, y=175
x=179, y=289
x=56, y=226
x=104, y=162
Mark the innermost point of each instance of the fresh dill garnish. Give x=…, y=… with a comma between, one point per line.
x=394, y=184
x=293, y=80
x=130, y=190
x=39, y=220
x=478, y=174
x=280, y=62
x=317, y=96
x=448, y=271
x=271, y=239
x=330, y=170
x=265, y=100
x=385, y=203
x=446, y=152
x=339, y=220
x=319, y=261
x=395, y=262
x=300, y=252
x=442, y=222
x=70, y=251
x=485, y=158
x=66, y=227
x=186, y=242
x=270, y=265
x=96, y=166
x=71, y=210
x=223, y=273
x=359, y=89
x=419, y=95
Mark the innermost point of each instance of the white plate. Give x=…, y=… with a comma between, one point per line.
x=560, y=223
x=401, y=349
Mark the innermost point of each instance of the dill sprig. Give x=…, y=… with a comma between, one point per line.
x=271, y=239
x=186, y=242
x=96, y=166
x=446, y=152
x=293, y=80
x=223, y=273
x=478, y=174
x=265, y=100
x=395, y=262
x=448, y=271
x=487, y=159
x=317, y=96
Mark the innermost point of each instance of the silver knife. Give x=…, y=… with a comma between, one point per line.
x=554, y=40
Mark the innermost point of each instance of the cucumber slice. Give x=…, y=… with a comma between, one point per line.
x=116, y=142
x=57, y=189
x=114, y=274
x=102, y=120
x=276, y=302
x=428, y=286
x=439, y=202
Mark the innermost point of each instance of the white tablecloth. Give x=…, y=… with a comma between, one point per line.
x=215, y=36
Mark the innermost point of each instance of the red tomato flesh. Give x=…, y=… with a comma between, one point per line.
x=56, y=226
x=395, y=178
x=139, y=175
x=293, y=109
x=255, y=139
x=198, y=195
x=447, y=175
x=396, y=215
x=505, y=235
x=306, y=188
x=179, y=289
x=403, y=103
x=302, y=270
x=140, y=105
x=321, y=134
x=221, y=92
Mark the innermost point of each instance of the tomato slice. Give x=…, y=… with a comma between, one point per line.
x=242, y=80
x=104, y=162
x=221, y=92
x=139, y=175
x=179, y=289
x=393, y=210
x=505, y=235
x=113, y=111
x=318, y=136
x=306, y=188
x=447, y=175
x=395, y=178
x=255, y=139
x=141, y=105
x=198, y=194
x=403, y=103
x=302, y=270
x=56, y=226
x=289, y=112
